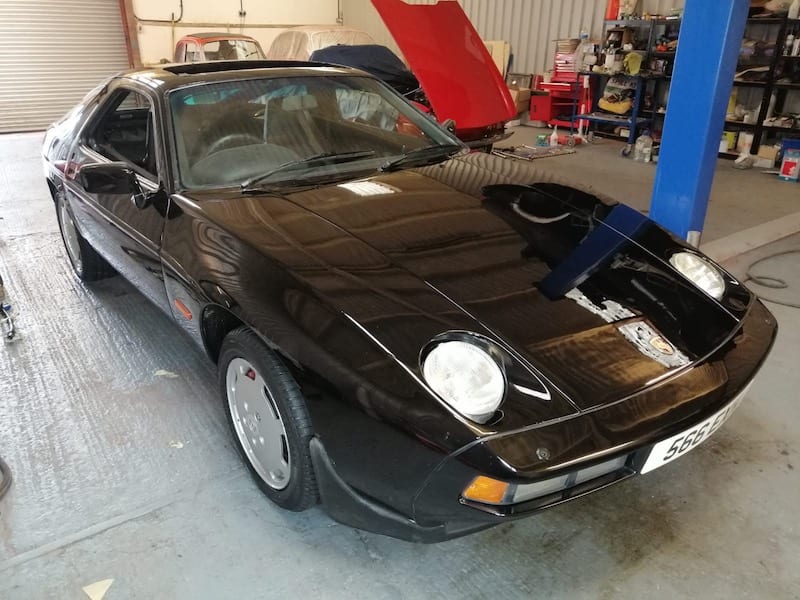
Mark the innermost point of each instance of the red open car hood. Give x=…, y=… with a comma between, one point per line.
x=451, y=62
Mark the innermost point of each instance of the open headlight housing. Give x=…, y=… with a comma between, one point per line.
x=700, y=272
x=466, y=377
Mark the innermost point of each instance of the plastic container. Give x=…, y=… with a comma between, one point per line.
x=643, y=150
x=790, y=167
x=554, y=138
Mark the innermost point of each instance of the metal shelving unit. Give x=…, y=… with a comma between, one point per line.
x=779, y=66
x=648, y=82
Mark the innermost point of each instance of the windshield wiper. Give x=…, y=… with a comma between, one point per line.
x=323, y=157
x=422, y=156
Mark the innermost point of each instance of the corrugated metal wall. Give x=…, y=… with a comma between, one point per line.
x=52, y=52
x=529, y=25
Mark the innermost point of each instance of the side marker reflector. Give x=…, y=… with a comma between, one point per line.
x=183, y=309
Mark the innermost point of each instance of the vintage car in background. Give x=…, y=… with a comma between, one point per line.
x=298, y=43
x=429, y=341
x=201, y=47
x=456, y=78
x=455, y=70
x=379, y=61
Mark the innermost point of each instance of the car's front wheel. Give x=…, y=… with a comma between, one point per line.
x=269, y=420
x=86, y=262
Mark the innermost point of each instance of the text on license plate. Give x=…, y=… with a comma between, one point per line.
x=668, y=450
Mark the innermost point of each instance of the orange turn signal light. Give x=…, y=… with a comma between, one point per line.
x=486, y=489
x=183, y=309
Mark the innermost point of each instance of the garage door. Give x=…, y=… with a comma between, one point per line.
x=51, y=53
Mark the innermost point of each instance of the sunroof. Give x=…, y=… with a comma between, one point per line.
x=236, y=65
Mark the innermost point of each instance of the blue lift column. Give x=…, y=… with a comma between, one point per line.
x=708, y=49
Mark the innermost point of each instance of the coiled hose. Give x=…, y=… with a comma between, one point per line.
x=771, y=282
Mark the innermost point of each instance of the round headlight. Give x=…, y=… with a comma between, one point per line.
x=700, y=272
x=465, y=377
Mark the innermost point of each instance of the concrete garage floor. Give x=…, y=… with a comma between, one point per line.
x=124, y=468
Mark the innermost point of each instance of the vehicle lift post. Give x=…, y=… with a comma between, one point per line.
x=708, y=49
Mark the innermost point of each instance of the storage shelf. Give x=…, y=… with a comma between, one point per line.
x=741, y=125
x=760, y=84
x=753, y=127
x=781, y=27
x=753, y=64
x=767, y=20
x=609, y=118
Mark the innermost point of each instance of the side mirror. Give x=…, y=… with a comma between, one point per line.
x=114, y=178
x=450, y=125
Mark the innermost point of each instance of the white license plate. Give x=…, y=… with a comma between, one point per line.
x=678, y=445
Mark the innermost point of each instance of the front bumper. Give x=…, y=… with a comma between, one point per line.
x=626, y=430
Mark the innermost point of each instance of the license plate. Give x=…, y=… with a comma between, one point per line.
x=678, y=445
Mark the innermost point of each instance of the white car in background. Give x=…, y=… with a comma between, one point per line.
x=298, y=43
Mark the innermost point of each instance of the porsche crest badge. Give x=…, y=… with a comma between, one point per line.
x=662, y=345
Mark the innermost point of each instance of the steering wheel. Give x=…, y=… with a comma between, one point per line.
x=232, y=140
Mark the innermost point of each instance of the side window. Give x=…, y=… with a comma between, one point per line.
x=211, y=50
x=180, y=52
x=192, y=53
x=125, y=132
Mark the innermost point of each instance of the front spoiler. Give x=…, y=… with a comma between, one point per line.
x=350, y=507
x=629, y=429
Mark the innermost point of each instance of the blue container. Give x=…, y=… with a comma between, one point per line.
x=788, y=143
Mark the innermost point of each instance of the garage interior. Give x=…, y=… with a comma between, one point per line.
x=124, y=479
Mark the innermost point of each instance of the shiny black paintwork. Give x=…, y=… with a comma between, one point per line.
x=349, y=289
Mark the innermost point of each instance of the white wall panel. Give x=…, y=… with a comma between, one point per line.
x=529, y=25
x=264, y=20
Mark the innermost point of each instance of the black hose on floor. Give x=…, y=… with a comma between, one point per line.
x=5, y=478
x=771, y=282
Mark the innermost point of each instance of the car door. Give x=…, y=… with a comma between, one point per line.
x=126, y=128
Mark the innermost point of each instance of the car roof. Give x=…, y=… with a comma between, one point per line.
x=216, y=35
x=171, y=76
x=318, y=28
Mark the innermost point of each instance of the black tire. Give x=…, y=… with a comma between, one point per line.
x=90, y=266
x=301, y=491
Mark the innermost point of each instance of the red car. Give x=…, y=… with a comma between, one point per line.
x=200, y=47
x=453, y=67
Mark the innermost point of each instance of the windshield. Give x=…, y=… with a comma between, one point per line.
x=290, y=129
x=232, y=50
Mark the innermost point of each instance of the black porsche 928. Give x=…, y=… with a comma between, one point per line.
x=428, y=341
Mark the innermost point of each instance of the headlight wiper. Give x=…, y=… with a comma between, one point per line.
x=422, y=156
x=323, y=157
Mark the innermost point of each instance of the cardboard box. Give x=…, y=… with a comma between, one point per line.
x=768, y=152
x=521, y=97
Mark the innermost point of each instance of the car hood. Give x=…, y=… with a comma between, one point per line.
x=578, y=290
x=451, y=62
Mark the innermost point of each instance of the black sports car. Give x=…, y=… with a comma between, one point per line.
x=429, y=341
